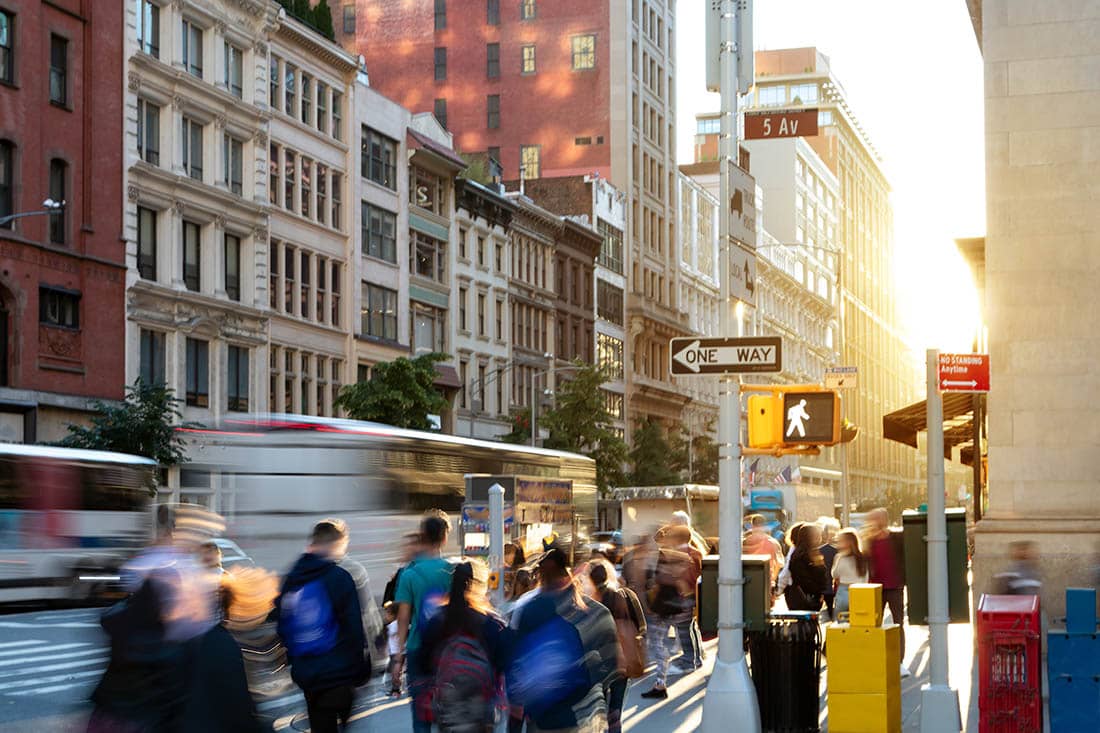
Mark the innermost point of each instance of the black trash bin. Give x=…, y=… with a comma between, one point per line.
x=785, y=663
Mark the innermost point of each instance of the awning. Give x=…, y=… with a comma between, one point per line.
x=447, y=377
x=905, y=424
x=417, y=141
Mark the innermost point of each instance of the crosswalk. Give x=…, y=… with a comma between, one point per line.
x=31, y=667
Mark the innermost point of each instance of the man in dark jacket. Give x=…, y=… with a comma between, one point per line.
x=321, y=624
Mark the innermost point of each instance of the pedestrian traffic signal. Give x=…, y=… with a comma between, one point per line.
x=806, y=417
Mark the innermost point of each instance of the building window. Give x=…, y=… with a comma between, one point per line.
x=429, y=329
x=613, y=403
x=529, y=161
x=527, y=10
x=58, y=307
x=7, y=185
x=232, y=163
x=275, y=81
x=439, y=109
x=232, y=267
x=528, y=65
x=584, y=52
x=492, y=12
x=462, y=236
x=237, y=380
x=337, y=278
x=492, y=111
x=804, y=94
x=336, y=221
x=492, y=60
x=192, y=260
x=611, y=251
x=59, y=69
x=192, y=48
x=305, y=188
x=290, y=74
x=499, y=319
x=337, y=116
x=427, y=191
x=147, y=243
x=429, y=257
x=481, y=314
x=307, y=98
x=481, y=251
x=499, y=258
x=609, y=302
x=440, y=64
x=289, y=262
x=463, y=298
x=378, y=159
x=772, y=96
x=198, y=373
x=609, y=353
x=192, y=148
x=148, y=27
x=322, y=105
x=7, y=51
x=234, y=70
x=378, y=315
x=151, y=369
x=304, y=275
x=349, y=18
x=59, y=171
x=440, y=15
x=379, y=234
x=274, y=171
x=290, y=177
x=321, y=177
x=148, y=131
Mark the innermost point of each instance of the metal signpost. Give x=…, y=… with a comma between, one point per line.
x=843, y=377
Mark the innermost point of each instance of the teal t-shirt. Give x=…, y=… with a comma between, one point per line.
x=424, y=585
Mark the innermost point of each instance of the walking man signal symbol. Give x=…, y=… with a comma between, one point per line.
x=795, y=415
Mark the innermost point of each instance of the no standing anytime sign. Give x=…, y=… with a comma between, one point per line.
x=963, y=373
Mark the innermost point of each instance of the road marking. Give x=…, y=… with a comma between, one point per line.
x=280, y=702
x=52, y=667
x=25, y=642
x=46, y=680
x=54, y=688
x=66, y=625
x=50, y=648
x=48, y=657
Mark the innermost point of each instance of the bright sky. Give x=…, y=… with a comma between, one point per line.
x=913, y=75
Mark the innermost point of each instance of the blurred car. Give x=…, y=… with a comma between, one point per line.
x=608, y=544
x=232, y=554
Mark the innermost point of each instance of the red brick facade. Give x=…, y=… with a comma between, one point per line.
x=73, y=130
x=562, y=110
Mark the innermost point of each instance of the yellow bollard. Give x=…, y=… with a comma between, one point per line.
x=864, y=668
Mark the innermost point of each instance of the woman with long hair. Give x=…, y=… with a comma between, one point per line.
x=809, y=580
x=850, y=566
x=630, y=627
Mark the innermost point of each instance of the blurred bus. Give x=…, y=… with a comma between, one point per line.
x=273, y=477
x=68, y=519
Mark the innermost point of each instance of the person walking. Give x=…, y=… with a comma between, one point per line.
x=757, y=541
x=626, y=610
x=565, y=654
x=466, y=646
x=809, y=580
x=671, y=598
x=421, y=590
x=850, y=566
x=829, y=528
x=887, y=568
x=321, y=624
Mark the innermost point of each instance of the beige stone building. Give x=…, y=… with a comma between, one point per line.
x=1042, y=111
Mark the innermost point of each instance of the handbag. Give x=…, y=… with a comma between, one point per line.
x=632, y=646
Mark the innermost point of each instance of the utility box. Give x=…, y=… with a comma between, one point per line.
x=757, y=596
x=914, y=531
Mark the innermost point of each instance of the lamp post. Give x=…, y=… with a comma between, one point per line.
x=49, y=208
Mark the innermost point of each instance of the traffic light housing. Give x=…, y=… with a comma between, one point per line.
x=803, y=416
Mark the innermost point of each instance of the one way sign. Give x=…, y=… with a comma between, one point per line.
x=726, y=355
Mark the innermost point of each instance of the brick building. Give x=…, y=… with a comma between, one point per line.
x=62, y=275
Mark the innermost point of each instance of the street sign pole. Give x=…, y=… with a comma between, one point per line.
x=730, y=695
x=939, y=701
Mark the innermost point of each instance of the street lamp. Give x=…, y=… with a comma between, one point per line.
x=49, y=208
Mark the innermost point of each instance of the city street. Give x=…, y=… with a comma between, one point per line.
x=50, y=662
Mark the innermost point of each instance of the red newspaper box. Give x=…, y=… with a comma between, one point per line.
x=1009, y=672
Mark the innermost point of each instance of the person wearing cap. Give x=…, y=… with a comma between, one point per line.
x=565, y=652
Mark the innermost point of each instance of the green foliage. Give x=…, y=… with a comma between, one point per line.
x=704, y=462
x=322, y=20
x=654, y=460
x=580, y=422
x=477, y=168
x=143, y=424
x=521, y=428
x=401, y=393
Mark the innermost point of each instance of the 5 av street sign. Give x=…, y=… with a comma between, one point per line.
x=780, y=123
x=963, y=373
x=726, y=355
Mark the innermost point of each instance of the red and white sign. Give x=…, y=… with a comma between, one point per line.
x=964, y=373
x=780, y=123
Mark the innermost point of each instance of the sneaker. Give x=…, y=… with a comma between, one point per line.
x=657, y=693
x=675, y=669
x=905, y=672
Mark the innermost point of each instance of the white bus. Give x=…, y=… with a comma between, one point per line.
x=68, y=519
x=273, y=477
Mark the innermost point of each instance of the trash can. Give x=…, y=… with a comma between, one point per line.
x=915, y=529
x=785, y=664
x=756, y=601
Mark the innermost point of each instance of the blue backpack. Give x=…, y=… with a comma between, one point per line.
x=307, y=622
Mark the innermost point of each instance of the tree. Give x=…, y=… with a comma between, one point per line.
x=143, y=424
x=579, y=422
x=401, y=393
x=521, y=428
x=704, y=460
x=653, y=459
x=322, y=20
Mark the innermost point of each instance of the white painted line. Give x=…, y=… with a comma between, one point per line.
x=50, y=648
x=48, y=657
x=25, y=642
x=66, y=625
x=46, y=680
x=54, y=688
x=54, y=667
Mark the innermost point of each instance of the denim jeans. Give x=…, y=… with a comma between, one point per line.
x=420, y=683
x=616, y=695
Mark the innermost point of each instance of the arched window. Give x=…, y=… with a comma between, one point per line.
x=7, y=182
x=59, y=170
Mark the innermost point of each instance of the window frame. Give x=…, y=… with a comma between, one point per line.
x=583, y=59
x=197, y=368
x=57, y=219
x=440, y=15
x=378, y=156
x=492, y=60
x=233, y=163
x=152, y=352
x=59, y=70
x=192, y=270
x=238, y=359
x=435, y=249
x=439, y=58
x=7, y=181
x=7, y=48
x=147, y=23
x=525, y=58
x=234, y=73
x=380, y=310
x=381, y=243
x=232, y=255
x=439, y=111
x=528, y=10
x=192, y=47
x=148, y=131
x=524, y=165
x=65, y=307
x=349, y=16
x=492, y=111
x=147, y=257
x=188, y=138
x=305, y=84
x=492, y=12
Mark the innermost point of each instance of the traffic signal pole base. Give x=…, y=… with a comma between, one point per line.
x=730, y=700
x=939, y=709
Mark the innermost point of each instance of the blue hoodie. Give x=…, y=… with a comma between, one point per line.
x=347, y=663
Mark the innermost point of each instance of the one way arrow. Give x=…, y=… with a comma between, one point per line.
x=971, y=383
x=695, y=355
